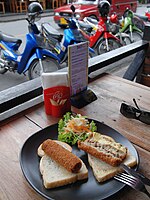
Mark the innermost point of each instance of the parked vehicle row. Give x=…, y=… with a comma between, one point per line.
x=91, y=25
x=89, y=8
x=59, y=43
x=46, y=49
x=35, y=57
x=101, y=39
x=125, y=28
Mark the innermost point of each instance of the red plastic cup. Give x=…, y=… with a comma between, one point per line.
x=57, y=100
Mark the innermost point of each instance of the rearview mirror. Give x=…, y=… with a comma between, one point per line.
x=72, y=8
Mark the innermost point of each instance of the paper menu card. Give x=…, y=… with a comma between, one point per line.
x=78, y=67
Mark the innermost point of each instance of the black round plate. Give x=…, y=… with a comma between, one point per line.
x=89, y=189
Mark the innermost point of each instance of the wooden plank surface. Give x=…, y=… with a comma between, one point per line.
x=13, y=185
x=111, y=91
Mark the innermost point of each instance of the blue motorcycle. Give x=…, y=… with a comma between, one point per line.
x=59, y=43
x=35, y=57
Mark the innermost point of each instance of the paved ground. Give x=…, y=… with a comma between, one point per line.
x=8, y=17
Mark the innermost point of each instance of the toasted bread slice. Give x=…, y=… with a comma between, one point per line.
x=54, y=175
x=105, y=148
x=103, y=171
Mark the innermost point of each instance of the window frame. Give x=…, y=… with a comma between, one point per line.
x=23, y=96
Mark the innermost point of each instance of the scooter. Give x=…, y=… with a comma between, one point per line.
x=59, y=43
x=112, y=26
x=129, y=26
x=102, y=39
x=35, y=57
x=140, y=20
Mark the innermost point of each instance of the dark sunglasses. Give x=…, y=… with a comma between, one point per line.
x=135, y=113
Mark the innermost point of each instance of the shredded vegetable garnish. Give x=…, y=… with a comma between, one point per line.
x=72, y=128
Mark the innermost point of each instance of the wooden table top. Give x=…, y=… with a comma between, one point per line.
x=111, y=92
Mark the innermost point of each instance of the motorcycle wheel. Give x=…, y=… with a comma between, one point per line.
x=91, y=55
x=112, y=43
x=139, y=23
x=126, y=40
x=49, y=65
x=136, y=36
x=2, y=69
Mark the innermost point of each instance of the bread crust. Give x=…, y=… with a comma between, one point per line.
x=60, y=183
x=103, y=171
x=114, y=161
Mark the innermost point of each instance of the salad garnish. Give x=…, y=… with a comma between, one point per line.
x=72, y=128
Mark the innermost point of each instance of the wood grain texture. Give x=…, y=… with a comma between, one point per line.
x=111, y=92
x=13, y=185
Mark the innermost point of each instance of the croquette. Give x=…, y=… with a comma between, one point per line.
x=62, y=156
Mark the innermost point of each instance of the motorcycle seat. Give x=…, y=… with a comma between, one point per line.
x=78, y=36
x=94, y=21
x=144, y=18
x=9, y=38
x=84, y=25
x=50, y=31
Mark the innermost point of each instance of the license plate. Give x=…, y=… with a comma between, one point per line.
x=63, y=21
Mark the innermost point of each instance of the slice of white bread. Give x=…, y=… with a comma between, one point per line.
x=54, y=175
x=103, y=171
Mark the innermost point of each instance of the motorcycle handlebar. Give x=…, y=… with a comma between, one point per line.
x=27, y=19
x=67, y=19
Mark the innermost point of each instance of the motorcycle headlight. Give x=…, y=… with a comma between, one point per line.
x=77, y=15
x=56, y=13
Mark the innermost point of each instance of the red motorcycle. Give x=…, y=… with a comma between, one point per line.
x=147, y=13
x=102, y=39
